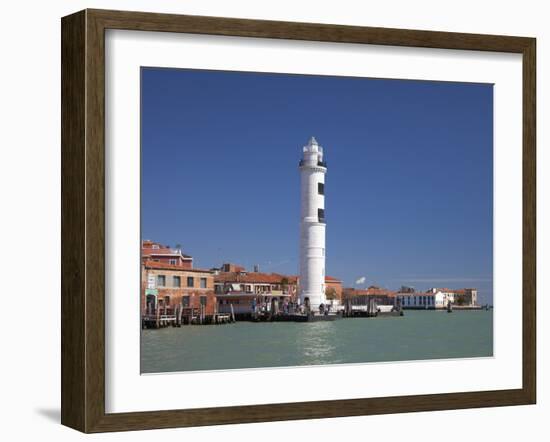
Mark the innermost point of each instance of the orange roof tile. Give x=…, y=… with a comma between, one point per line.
x=371, y=291
x=332, y=279
x=253, y=277
x=163, y=266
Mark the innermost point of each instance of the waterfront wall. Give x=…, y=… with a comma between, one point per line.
x=167, y=286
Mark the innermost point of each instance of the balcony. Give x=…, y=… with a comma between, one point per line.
x=319, y=163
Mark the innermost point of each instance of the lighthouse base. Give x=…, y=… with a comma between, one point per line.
x=313, y=302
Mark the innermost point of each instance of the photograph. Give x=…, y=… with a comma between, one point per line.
x=303, y=220
x=275, y=220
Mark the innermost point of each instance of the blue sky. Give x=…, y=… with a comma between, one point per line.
x=408, y=188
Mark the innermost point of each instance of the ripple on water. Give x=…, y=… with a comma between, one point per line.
x=417, y=335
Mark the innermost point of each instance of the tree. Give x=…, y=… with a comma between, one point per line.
x=330, y=293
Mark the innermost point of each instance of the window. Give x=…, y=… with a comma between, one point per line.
x=203, y=283
x=176, y=281
x=173, y=262
x=321, y=188
x=167, y=300
x=203, y=300
x=161, y=280
x=190, y=281
x=185, y=301
x=321, y=215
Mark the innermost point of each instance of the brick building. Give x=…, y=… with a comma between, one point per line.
x=360, y=297
x=167, y=285
x=465, y=297
x=470, y=296
x=153, y=251
x=246, y=292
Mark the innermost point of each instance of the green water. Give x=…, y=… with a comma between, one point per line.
x=417, y=335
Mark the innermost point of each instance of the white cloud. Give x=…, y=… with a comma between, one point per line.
x=361, y=280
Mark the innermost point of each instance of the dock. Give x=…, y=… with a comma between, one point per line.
x=178, y=316
x=305, y=317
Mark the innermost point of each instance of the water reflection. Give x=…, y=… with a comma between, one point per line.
x=316, y=344
x=417, y=335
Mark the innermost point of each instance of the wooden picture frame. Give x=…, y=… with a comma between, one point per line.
x=83, y=220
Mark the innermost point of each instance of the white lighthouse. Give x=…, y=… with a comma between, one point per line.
x=312, y=226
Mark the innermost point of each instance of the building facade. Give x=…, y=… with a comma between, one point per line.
x=245, y=293
x=469, y=297
x=165, y=286
x=443, y=296
x=156, y=252
x=416, y=300
x=461, y=297
x=333, y=290
x=312, y=226
x=380, y=295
